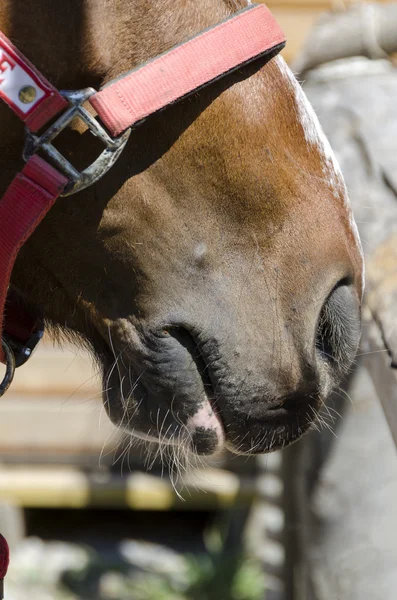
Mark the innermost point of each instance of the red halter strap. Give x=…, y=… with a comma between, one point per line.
x=240, y=39
x=4, y=563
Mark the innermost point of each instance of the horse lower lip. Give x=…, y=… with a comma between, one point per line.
x=268, y=436
x=174, y=413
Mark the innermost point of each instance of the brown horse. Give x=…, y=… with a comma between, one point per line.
x=216, y=271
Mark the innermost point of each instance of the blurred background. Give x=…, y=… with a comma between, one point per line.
x=87, y=518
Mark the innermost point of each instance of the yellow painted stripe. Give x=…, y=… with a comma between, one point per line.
x=71, y=488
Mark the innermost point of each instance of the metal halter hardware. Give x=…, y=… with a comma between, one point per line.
x=10, y=368
x=22, y=351
x=17, y=354
x=79, y=180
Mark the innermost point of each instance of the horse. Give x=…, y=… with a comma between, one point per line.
x=215, y=272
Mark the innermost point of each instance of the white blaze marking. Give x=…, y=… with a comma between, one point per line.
x=315, y=136
x=313, y=131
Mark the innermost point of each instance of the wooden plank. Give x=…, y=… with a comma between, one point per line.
x=351, y=33
x=297, y=18
x=63, y=487
x=54, y=408
x=380, y=327
x=296, y=22
x=382, y=293
x=51, y=425
x=377, y=361
x=53, y=371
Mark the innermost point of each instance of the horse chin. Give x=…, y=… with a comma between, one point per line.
x=195, y=427
x=270, y=437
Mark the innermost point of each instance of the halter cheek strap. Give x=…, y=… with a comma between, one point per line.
x=122, y=104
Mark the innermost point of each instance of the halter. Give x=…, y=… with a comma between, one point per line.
x=121, y=105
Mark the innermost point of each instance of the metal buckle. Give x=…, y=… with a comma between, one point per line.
x=23, y=351
x=10, y=368
x=78, y=180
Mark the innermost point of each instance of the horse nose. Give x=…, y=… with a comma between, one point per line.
x=330, y=351
x=273, y=395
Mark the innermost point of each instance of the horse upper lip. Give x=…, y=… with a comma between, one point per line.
x=174, y=381
x=162, y=386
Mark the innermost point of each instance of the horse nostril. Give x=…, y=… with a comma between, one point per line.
x=338, y=327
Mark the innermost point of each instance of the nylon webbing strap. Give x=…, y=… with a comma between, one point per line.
x=25, y=203
x=251, y=33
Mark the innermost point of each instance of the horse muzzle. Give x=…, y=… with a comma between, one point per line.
x=250, y=391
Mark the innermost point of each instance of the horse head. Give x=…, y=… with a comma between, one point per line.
x=216, y=271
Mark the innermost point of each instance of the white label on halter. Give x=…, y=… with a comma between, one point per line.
x=17, y=86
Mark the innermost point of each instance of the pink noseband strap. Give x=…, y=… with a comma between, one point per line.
x=171, y=76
